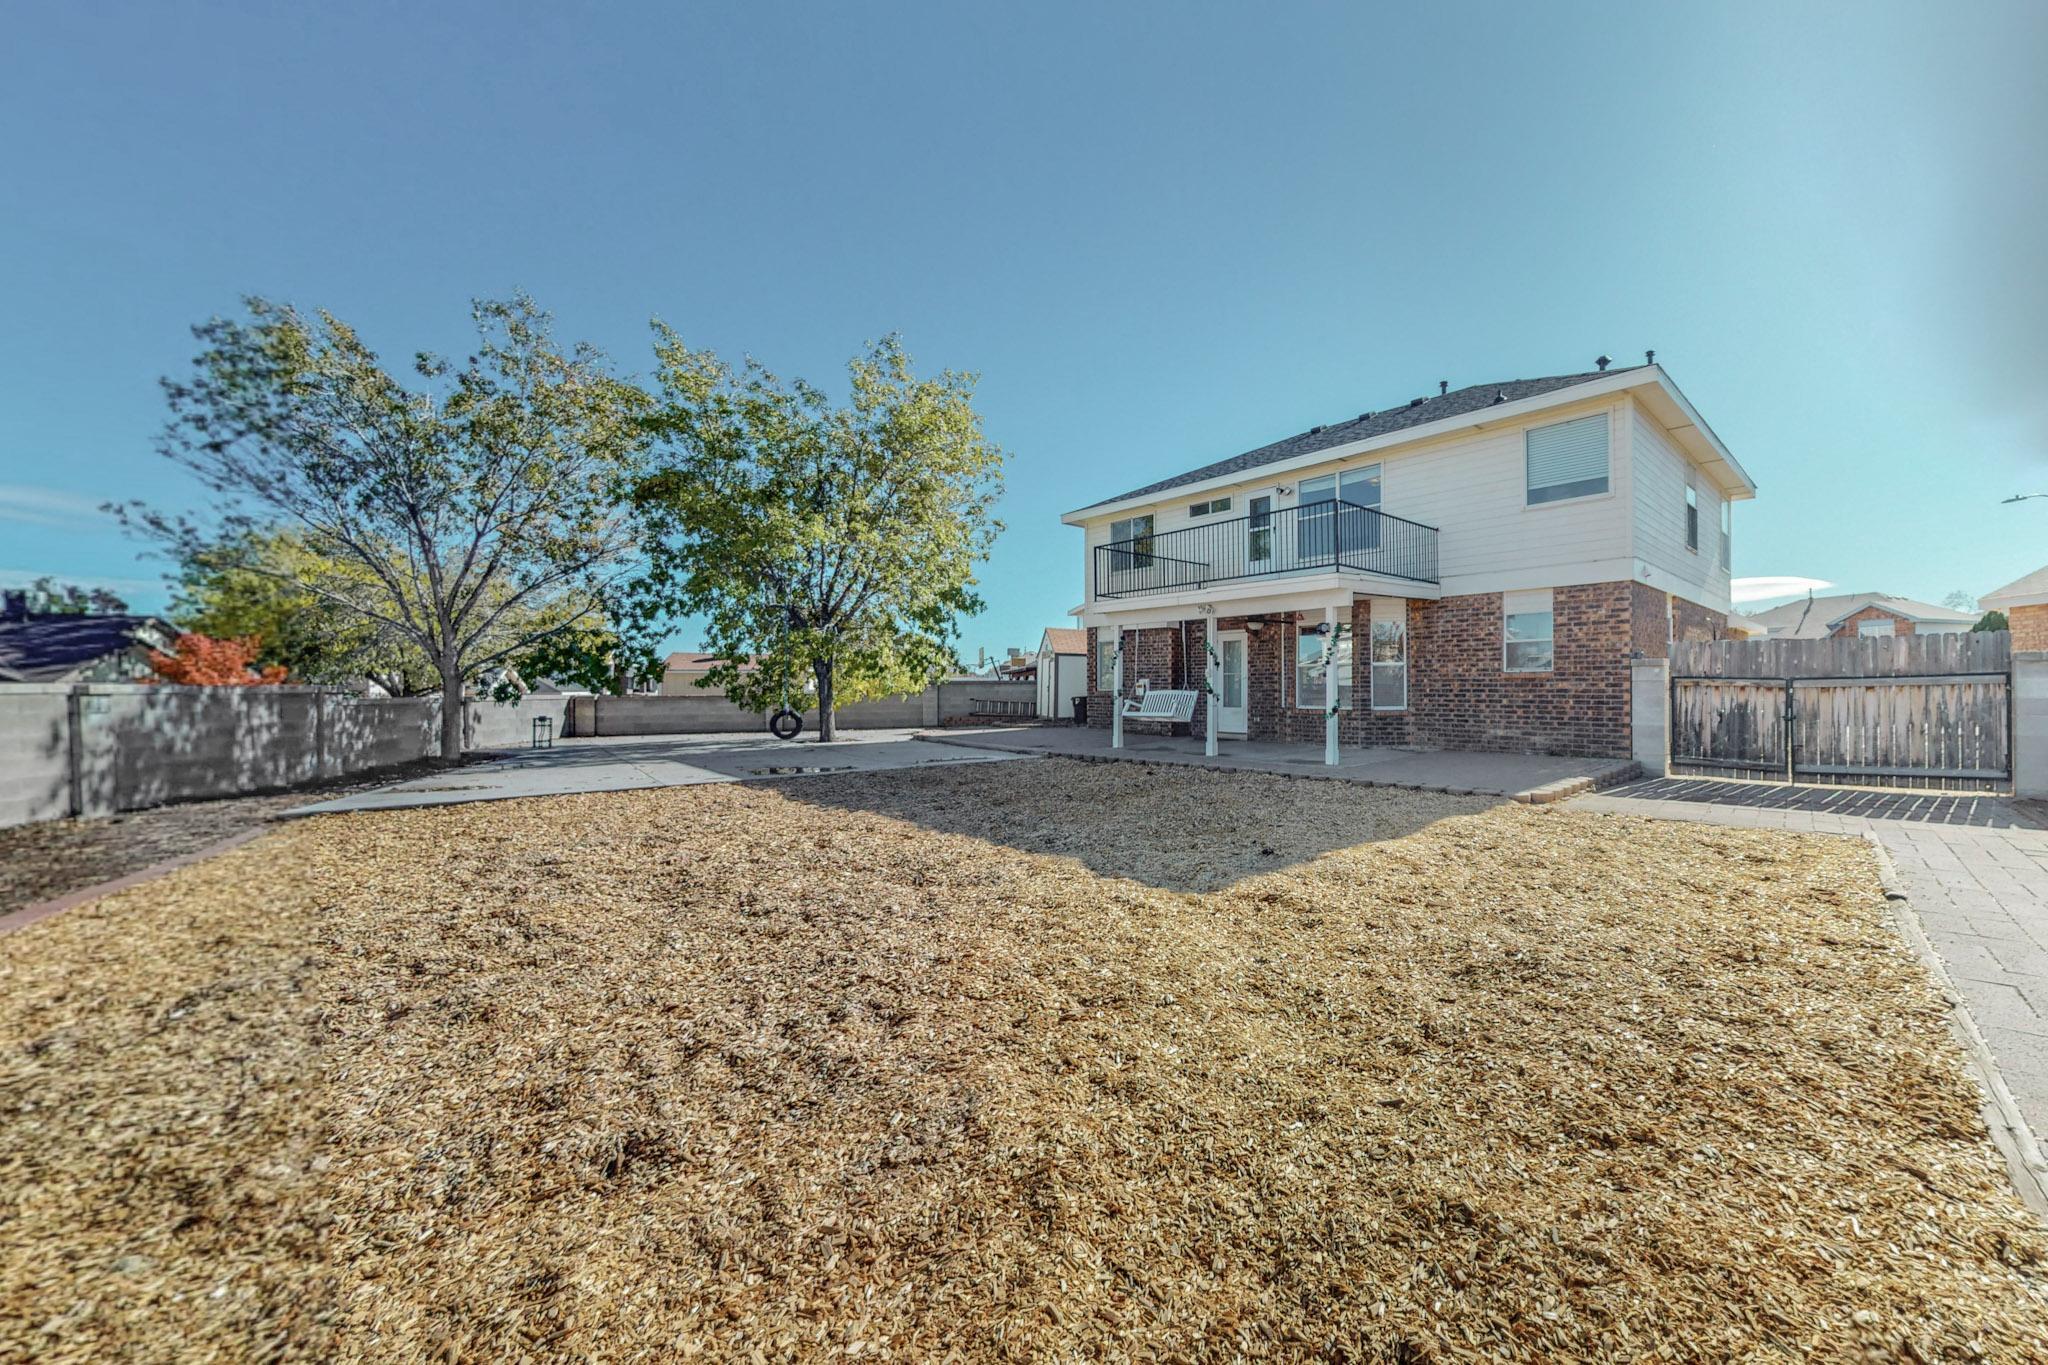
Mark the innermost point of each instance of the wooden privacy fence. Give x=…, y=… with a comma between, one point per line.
x=1907, y=710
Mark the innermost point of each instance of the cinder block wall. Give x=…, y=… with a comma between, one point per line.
x=102, y=748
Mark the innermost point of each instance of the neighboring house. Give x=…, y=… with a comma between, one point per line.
x=1062, y=671
x=1860, y=613
x=2025, y=604
x=1491, y=557
x=680, y=674
x=1017, y=667
x=40, y=647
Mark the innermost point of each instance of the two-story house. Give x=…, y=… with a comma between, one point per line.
x=1467, y=570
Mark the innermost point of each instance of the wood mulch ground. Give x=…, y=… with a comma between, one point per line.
x=1095, y=1061
x=42, y=861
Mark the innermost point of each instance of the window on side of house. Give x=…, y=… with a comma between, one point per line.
x=1133, y=538
x=1209, y=508
x=1105, y=660
x=1566, y=459
x=1692, y=519
x=1528, y=631
x=1310, y=668
x=1389, y=654
x=1878, y=625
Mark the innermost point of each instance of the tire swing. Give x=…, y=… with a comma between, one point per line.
x=786, y=723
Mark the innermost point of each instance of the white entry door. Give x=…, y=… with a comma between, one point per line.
x=1230, y=709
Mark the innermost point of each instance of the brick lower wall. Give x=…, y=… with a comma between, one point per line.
x=1465, y=699
x=2029, y=626
x=1158, y=654
x=1848, y=628
x=1459, y=695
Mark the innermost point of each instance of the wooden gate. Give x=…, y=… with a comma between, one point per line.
x=1888, y=711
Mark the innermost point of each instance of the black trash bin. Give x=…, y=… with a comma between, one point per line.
x=1081, y=710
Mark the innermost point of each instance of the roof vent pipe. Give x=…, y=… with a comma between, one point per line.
x=1603, y=362
x=1443, y=386
x=1649, y=357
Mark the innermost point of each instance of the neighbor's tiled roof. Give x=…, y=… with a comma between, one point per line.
x=1815, y=618
x=1366, y=425
x=1067, y=640
x=47, y=647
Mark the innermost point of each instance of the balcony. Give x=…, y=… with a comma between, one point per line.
x=1316, y=537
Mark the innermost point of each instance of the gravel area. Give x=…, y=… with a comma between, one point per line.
x=1095, y=1061
x=47, y=859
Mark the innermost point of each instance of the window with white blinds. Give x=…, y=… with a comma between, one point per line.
x=1567, y=459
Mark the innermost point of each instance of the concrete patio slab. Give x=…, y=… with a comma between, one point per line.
x=639, y=762
x=1520, y=777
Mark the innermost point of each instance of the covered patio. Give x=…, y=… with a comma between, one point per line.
x=1519, y=777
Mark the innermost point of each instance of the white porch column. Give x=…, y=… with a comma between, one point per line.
x=1116, y=693
x=1330, y=686
x=1212, y=675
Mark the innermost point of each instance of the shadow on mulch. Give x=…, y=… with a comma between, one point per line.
x=52, y=857
x=1172, y=826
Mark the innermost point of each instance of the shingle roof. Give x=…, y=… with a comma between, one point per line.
x=44, y=648
x=1067, y=639
x=1815, y=618
x=1367, y=425
x=2019, y=591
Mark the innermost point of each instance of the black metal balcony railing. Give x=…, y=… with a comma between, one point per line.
x=1313, y=536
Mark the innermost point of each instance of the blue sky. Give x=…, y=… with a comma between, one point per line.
x=1162, y=233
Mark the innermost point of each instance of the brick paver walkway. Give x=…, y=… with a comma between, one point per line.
x=1974, y=867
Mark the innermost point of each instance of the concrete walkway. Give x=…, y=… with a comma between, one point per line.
x=636, y=763
x=1521, y=777
x=1974, y=869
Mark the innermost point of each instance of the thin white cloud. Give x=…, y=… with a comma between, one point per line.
x=1747, y=590
x=34, y=506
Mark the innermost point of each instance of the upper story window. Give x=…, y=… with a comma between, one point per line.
x=1692, y=519
x=1567, y=459
x=1209, y=508
x=1132, y=537
x=1323, y=531
x=1359, y=487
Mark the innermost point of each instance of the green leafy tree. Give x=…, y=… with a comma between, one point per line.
x=318, y=640
x=1991, y=620
x=470, y=515
x=833, y=546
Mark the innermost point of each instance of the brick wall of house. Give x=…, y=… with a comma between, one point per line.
x=1464, y=699
x=1159, y=654
x=1900, y=625
x=1691, y=621
x=1649, y=613
x=2029, y=626
x=1274, y=698
x=1459, y=695
x=1657, y=618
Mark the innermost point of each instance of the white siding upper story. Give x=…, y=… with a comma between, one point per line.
x=1472, y=485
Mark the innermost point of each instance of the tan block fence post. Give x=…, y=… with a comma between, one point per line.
x=1649, y=707
x=2030, y=723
